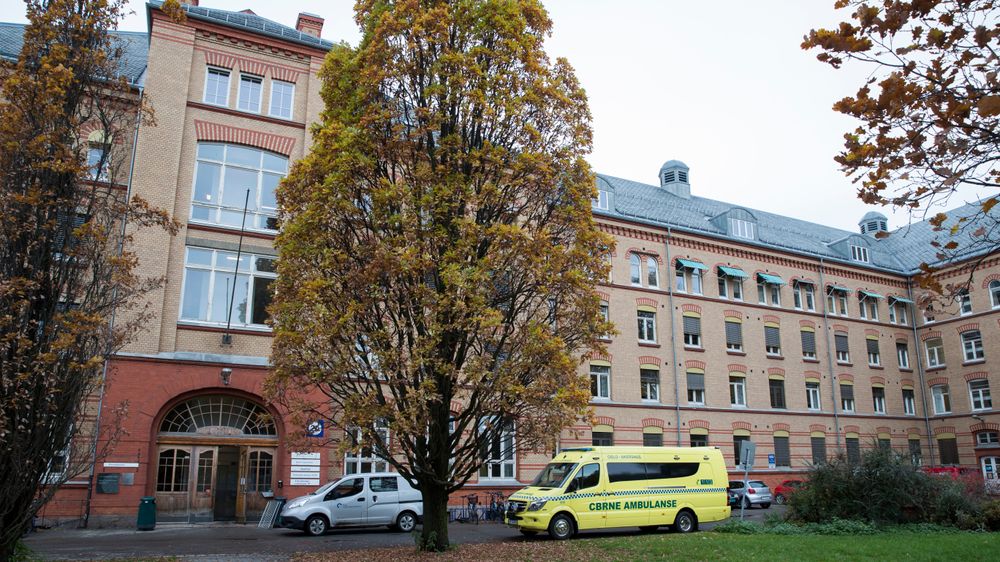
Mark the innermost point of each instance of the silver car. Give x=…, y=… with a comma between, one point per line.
x=751, y=493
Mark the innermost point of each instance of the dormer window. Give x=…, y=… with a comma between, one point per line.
x=859, y=253
x=741, y=228
x=601, y=201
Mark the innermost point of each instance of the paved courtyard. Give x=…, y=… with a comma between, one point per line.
x=233, y=542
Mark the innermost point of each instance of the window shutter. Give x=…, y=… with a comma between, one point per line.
x=649, y=376
x=853, y=449
x=696, y=381
x=734, y=333
x=772, y=337
x=840, y=341
x=872, y=346
x=847, y=391
x=949, y=451
x=782, y=455
x=808, y=342
x=692, y=325
x=819, y=449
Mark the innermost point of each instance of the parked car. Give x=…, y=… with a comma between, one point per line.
x=734, y=498
x=380, y=498
x=785, y=489
x=751, y=493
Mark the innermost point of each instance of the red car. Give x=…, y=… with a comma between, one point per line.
x=785, y=489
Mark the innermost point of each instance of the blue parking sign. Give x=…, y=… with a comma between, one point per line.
x=315, y=429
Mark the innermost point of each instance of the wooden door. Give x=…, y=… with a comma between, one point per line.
x=203, y=478
x=241, y=496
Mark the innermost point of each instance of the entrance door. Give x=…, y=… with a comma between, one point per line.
x=990, y=467
x=227, y=479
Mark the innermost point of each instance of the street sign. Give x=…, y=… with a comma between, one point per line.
x=770, y=461
x=315, y=429
x=747, y=451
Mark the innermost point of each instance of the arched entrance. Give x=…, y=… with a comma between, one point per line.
x=215, y=459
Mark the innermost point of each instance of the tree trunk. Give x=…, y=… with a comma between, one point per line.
x=434, y=535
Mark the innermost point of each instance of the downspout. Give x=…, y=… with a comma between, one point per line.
x=111, y=324
x=673, y=337
x=829, y=356
x=920, y=371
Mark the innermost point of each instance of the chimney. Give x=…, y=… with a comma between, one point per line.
x=674, y=178
x=190, y=2
x=310, y=24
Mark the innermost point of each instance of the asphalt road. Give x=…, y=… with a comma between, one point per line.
x=232, y=542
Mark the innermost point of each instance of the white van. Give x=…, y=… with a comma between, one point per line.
x=379, y=498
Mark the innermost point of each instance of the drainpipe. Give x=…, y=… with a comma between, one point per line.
x=673, y=337
x=111, y=326
x=920, y=371
x=829, y=356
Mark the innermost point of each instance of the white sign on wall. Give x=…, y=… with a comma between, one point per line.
x=305, y=469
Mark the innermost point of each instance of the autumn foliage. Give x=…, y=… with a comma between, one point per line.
x=438, y=254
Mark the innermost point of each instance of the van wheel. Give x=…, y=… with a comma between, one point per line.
x=648, y=528
x=685, y=522
x=406, y=521
x=561, y=527
x=315, y=526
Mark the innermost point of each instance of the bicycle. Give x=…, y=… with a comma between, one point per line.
x=498, y=505
x=469, y=513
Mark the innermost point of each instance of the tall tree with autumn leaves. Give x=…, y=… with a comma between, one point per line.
x=438, y=255
x=929, y=115
x=67, y=120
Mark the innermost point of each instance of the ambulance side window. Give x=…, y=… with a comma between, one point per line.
x=589, y=476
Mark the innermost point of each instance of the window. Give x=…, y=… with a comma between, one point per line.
x=878, y=400
x=251, y=88
x=738, y=392
x=972, y=345
x=363, y=460
x=805, y=296
x=768, y=293
x=172, y=471
x=859, y=253
x=605, y=312
x=600, y=382
x=782, y=454
x=868, y=306
x=808, y=344
x=898, y=312
x=224, y=176
x=942, y=399
x=847, y=397
x=652, y=439
x=384, y=484
x=205, y=461
x=652, y=272
x=282, y=96
x=498, y=450
x=995, y=294
x=647, y=326
x=602, y=438
x=692, y=331
x=903, y=355
x=731, y=282
x=916, y=455
x=214, y=289
x=772, y=340
x=696, y=388
x=812, y=395
x=635, y=269
x=734, y=336
x=98, y=161
x=935, y=352
x=818, y=449
x=909, y=402
x=987, y=438
x=874, y=357
x=723, y=287
x=649, y=384
x=737, y=445
x=836, y=300
x=217, y=87
x=777, y=389
x=346, y=489
x=699, y=440
x=259, y=471
x=853, y=449
x=601, y=201
x=964, y=302
x=949, y=450
x=841, y=345
x=688, y=276
x=980, y=393
x=741, y=228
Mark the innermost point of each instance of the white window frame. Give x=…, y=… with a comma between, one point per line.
x=980, y=397
x=903, y=355
x=601, y=202
x=258, y=212
x=737, y=391
x=219, y=72
x=909, y=402
x=994, y=288
x=964, y=303
x=602, y=375
x=688, y=280
x=252, y=79
x=291, y=100
x=972, y=346
x=935, y=355
x=878, y=402
x=652, y=272
x=987, y=438
x=215, y=274
x=651, y=390
x=635, y=269
x=941, y=397
x=103, y=160
x=507, y=458
x=356, y=459
x=813, y=397
x=874, y=359
x=804, y=296
x=846, y=404
x=647, y=326
x=898, y=314
x=859, y=253
x=741, y=228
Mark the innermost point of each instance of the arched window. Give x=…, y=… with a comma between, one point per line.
x=172, y=470
x=635, y=268
x=995, y=293
x=219, y=415
x=229, y=176
x=653, y=272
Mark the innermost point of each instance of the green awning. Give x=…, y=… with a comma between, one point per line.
x=837, y=288
x=770, y=278
x=901, y=299
x=870, y=295
x=733, y=272
x=690, y=264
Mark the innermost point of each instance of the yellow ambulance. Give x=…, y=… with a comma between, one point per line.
x=609, y=487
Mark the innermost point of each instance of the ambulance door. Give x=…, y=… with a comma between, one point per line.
x=626, y=486
x=587, y=488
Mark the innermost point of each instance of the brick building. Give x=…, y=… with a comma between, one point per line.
x=734, y=323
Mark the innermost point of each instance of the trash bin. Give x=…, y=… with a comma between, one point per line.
x=147, y=514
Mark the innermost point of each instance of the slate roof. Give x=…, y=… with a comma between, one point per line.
x=250, y=22
x=131, y=65
x=901, y=252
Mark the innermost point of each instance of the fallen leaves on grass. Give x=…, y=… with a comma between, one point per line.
x=507, y=551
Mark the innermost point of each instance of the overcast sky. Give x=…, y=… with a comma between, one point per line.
x=722, y=86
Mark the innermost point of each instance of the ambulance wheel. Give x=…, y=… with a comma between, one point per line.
x=648, y=528
x=562, y=527
x=528, y=533
x=685, y=522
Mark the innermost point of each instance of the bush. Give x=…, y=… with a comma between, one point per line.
x=883, y=489
x=991, y=515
